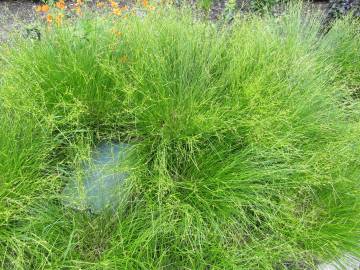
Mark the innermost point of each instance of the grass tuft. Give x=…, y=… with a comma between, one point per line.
x=244, y=147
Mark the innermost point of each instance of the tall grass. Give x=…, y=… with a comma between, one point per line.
x=245, y=150
x=343, y=50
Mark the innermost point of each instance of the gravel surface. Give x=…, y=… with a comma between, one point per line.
x=14, y=14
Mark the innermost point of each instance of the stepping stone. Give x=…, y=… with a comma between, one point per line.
x=101, y=183
x=346, y=263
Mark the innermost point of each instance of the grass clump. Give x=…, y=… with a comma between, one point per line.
x=344, y=52
x=245, y=150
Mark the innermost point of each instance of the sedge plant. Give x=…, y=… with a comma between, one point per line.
x=244, y=150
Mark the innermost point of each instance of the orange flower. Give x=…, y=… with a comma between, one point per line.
x=42, y=8
x=100, y=4
x=117, y=11
x=60, y=4
x=145, y=3
x=59, y=19
x=49, y=18
x=45, y=8
x=114, y=4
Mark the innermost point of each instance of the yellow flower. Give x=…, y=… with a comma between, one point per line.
x=49, y=18
x=100, y=4
x=124, y=8
x=151, y=8
x=60, y=4
x=123, y=59
x=117, y=32
x=38, y=9
x=79, y=2
x=78, y=10
x=59, y=19
x=117, y=11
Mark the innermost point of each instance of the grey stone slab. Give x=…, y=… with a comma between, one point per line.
x=347, y=263
x=99, y=186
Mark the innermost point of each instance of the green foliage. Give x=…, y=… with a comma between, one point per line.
x=229, y=11
x=343, y=51
x=264, y=6
x=246, y=149
x=205, y=4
